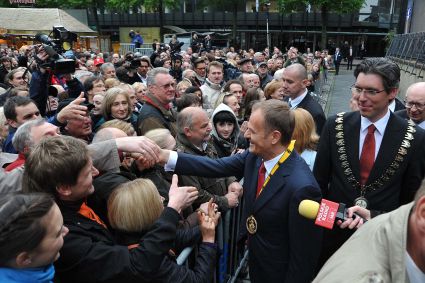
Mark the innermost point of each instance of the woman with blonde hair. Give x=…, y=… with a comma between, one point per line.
x=305, y=136
x=274, y=90
x=133, y=208
x=117, y=105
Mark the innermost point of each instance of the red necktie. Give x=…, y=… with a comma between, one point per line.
x=367, y=157
x=261, y=177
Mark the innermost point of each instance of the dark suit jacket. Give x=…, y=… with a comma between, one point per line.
x=337, y=59
x=335, y=186
x=398, y=105
x=312, y=106
x=286, y=246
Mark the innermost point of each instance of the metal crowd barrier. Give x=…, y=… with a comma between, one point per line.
x=409, y=50
x=144, y=50
x=231, y=260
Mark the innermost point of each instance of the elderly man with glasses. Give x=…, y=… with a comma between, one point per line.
x=371, y=157
x=157, y=111
x=415, y=104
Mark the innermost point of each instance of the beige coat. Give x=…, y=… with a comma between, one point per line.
x=375, y=253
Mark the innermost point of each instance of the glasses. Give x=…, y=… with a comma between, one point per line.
x=371, y=92
x=419, y=106
x=167, y=86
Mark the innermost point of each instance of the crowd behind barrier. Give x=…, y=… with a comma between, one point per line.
x=138, y=91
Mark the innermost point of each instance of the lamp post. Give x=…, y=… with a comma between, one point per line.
x=267, y=23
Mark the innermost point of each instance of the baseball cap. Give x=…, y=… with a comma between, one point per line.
x=262, y=64
x=98, y=61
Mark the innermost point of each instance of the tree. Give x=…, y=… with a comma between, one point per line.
x=92, y=5
x=324, y=6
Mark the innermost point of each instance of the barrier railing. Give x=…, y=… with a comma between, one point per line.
x=144, y=50
x=231, y=260
x=409, y=50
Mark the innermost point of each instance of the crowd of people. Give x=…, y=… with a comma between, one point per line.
x=109, y=172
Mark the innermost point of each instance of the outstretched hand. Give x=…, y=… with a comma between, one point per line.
x=208, y=222
x=181, y=197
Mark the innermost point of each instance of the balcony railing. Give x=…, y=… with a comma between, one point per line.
x=216, y=20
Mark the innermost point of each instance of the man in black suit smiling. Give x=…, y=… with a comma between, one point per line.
x=370, y=158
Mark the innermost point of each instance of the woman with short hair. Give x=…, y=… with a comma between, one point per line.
x=134, y=206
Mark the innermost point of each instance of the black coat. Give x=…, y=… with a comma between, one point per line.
x=90, y=253
x=169, y=271
x=334, y=182
x=314, y=108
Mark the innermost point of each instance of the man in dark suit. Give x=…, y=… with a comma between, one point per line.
x=350, y=56
x=283, y=246
x=295, y=87
x=369, y=158
x=337, y=60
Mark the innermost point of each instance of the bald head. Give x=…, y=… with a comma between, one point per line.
x=415, y=102
x=416, y=88
x=193, y=123
x=187, y=116
x=295, y=80
x=108, y=134
x=298, y=70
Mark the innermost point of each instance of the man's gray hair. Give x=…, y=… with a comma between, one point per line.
x=23, y=138
x=150, y=80
x=184, y=119
x=105, y=66
x=278, y=75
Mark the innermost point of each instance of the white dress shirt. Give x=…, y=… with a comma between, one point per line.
x=294, y=102
x=413, y=272
x=380, y=125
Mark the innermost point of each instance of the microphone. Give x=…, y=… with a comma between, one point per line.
x=326, y=213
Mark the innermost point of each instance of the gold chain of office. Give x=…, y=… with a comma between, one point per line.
x=391, y=169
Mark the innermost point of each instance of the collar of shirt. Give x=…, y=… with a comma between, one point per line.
x=421, y=125
x=380, y=125
x=296, y=101
x=269, y=164
x=413, y=272
x=392, y=105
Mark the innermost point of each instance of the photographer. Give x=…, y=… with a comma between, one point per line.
x=176, y=67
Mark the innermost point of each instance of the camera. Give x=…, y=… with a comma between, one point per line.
x=55, y=47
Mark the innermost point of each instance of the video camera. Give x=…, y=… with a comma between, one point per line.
x=55, y=48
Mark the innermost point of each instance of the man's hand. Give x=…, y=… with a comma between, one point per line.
x=164, y=155
x=351, y=223
x=236, y=188
x=232, y=199
x=148, y=149
x=73, y=110
x=181, y=197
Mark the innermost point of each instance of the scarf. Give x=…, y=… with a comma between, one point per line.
x=27, y=275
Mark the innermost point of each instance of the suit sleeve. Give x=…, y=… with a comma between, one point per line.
x=204, y=192
x=323, y=163
x=202, y=272
x=188, y=164
x=305, y=238
x=105, y=155
x=320, y=121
